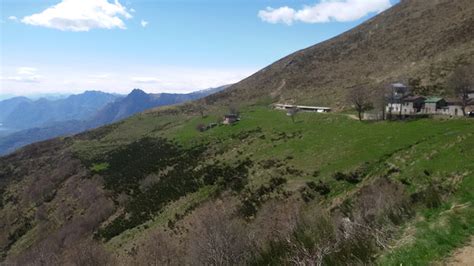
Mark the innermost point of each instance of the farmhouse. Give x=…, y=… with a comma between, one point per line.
x=230, y=119
x=303, y=108
x=470, y=107
x=470, y=94
x=412, y=104
x=398, y=92
x=432, y=104
x=453, y=108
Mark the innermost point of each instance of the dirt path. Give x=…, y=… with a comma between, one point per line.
x=463, y=256
x=353, y=117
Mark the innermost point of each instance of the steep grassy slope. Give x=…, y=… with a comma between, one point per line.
x=414, y=39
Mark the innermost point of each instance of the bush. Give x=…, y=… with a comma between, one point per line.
x=352, y=177
x=178, y=177
x=254, y=199
x=322, y=188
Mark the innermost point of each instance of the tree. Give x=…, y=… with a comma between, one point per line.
x=201, y=127
x=360, y=99
x=381, y=99
x=201, y=110
x=218, y=238
x=461, y=83
x=233, y=109
x=292, y=112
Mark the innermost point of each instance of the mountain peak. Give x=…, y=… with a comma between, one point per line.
x=137, y=92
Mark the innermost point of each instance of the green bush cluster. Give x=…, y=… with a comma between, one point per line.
x=180, y=175
x=351, y=177
x=254, y=199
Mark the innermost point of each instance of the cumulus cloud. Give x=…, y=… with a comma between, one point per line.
x=280, y=15
x=25, y=74
x=145, y=80
x=81, y=15
x=144, y=23
x=12, y=18
x=324, y=11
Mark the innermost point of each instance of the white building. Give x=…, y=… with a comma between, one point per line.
x=303, y=108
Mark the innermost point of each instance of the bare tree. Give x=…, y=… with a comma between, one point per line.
x=360, y=99
x=200, y=108
x=160, y=248
x=89, y=253
x=218, y=238
x=233, y=109
x=201, y=127
x=461, y=83
x=314, y=239
x=382, y=99
x=292, y=112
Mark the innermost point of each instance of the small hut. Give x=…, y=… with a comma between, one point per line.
x=230, y=119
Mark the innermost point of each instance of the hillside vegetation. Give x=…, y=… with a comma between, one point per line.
x=159, y=173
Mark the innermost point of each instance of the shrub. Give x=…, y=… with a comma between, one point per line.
x=254, y=199
x=201, y=127
x=322, y=188
x=352, y=177
x=177, y=177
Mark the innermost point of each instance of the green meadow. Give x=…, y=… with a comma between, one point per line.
x=424, y=153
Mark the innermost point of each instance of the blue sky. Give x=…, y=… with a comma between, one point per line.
x=68, y=46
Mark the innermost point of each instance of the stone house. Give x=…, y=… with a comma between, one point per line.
x=453, y=108
x=433, y=104
x=412, y=104
x=230, y=119
x=470, y=94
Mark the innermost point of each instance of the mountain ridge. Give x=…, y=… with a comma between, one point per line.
x=123, y=107
x=387, y=48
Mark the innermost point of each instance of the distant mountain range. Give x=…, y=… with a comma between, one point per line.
x=39, y=120
x=22, y=113
x=139, y=101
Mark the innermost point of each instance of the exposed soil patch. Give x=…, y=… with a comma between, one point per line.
x=463, y=256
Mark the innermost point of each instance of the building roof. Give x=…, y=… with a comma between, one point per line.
x=399, y=85
x=453, y=101
x=414, y=98
x=302, y=106
x=433, y=99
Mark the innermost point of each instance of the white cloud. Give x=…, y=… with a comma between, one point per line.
x=325, y=11
x=145, y=80
x=13, y=18
x=25, y=74
x=132, y=10
x=81, y=15
x=153, y=79
x=144, y=23
x=280, y=15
